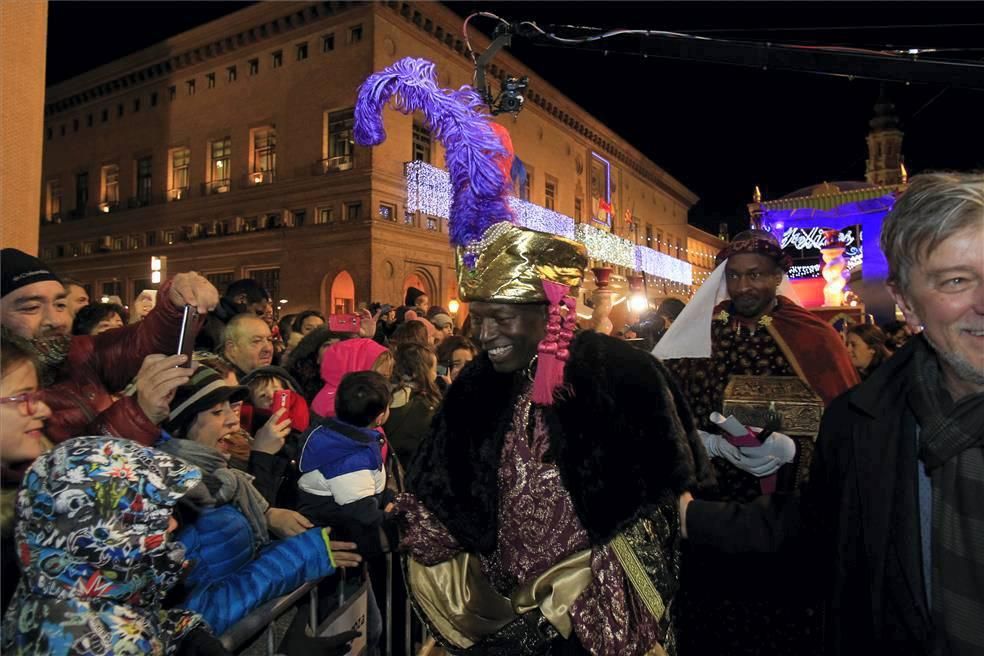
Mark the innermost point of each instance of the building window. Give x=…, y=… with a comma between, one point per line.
x=353, y=211
x=178, y=182
x=526, y=193
x=118, y=245
x=341, y=143
x=144, y=179
x=649, y=236
x=153, y=99
x=221, y=279
x=75, y=125
x=659, y=241
x=355, y=34
x=277, y=58
x=210, y=80
x=172, y=92
x=220, y=157
x=168, y=237
x=387, y=212
x=302, y=51
x=54, y=193
x=264, y=151
x=110, y=184
x=136, y=105
x=679, y=249
x=254, y=66
x=136, y=241
x=421, y=143
x=300, y=216
x=88, y=121
x=190, y=84
x=550, y=192
x=87, y=247
x=231, y=74
x=327, y=43
x=105, y=115
x=325, y=215
x=81, y=192
x=119, y=110
x=151, y=238
x=269, y=279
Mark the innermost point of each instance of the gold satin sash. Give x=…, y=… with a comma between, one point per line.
x=464, y=607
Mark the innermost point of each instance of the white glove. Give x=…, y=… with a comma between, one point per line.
x=757, y=461
x=718, y=447
x=776, y=451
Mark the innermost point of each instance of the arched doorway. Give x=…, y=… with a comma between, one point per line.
x=341, y=300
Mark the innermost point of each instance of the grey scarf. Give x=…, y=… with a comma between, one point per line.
x=952, y=448
x=221, y=484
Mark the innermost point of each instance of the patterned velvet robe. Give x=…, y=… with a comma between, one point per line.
x=524, y=487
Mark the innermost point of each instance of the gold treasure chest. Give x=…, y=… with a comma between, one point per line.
x=750, y=398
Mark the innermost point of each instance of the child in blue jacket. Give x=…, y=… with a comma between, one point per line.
x=343, y=478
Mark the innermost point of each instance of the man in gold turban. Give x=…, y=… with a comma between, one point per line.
x=540, y=515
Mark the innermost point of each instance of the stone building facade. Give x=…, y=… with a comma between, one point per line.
x=228, y=150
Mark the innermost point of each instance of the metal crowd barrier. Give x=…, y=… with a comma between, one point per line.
x=262, y=619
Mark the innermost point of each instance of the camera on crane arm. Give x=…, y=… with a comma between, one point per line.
x=511, y=96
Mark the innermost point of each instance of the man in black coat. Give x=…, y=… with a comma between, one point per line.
x=893, y=510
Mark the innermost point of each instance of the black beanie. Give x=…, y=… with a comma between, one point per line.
x=412, y=295
x=18, y=269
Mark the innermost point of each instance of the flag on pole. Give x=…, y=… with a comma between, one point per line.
x=605, y=206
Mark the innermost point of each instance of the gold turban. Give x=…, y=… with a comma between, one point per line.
x=511, y=262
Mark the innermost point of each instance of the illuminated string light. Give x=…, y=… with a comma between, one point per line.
x=429, y=192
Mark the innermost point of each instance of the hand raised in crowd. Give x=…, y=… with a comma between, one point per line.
x=193, y=289
x=367, y=327
x=156, y=382
x=286, y=523
x=270, y=438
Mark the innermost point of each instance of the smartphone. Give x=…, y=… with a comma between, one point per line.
x=186, y=338
x=281, y=399
x=344, y=323
x=443, y=370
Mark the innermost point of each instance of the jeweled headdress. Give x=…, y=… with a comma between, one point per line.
x=497, y=261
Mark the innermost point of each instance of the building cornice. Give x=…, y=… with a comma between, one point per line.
x=242, y=29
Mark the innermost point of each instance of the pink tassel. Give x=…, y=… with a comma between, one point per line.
x=552, y=352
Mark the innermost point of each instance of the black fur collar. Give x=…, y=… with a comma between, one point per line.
x=620, y=432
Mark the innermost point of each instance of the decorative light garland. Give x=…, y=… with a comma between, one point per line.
x=429, y=192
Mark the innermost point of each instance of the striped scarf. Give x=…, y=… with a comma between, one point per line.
x=952, y=449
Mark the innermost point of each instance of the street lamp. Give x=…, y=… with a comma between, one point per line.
x=453, y=306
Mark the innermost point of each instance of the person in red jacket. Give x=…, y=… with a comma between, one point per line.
x=85, y=375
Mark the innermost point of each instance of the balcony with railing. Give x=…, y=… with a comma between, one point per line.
x=257, y=178
x=178, y=193
x=220, y=186
x=335, y=164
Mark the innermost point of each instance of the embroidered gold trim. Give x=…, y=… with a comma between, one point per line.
x=637, y=576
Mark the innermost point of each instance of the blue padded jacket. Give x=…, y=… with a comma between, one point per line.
x=226, y=583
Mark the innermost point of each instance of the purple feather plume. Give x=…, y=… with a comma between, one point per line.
x=456, y=119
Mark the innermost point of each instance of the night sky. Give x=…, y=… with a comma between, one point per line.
x=718, y=129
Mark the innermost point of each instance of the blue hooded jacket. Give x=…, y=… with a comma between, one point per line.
x=336, y=448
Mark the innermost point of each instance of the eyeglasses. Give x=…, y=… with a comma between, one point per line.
x=29, y=399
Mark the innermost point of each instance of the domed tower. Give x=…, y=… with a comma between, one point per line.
x=884, y=166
